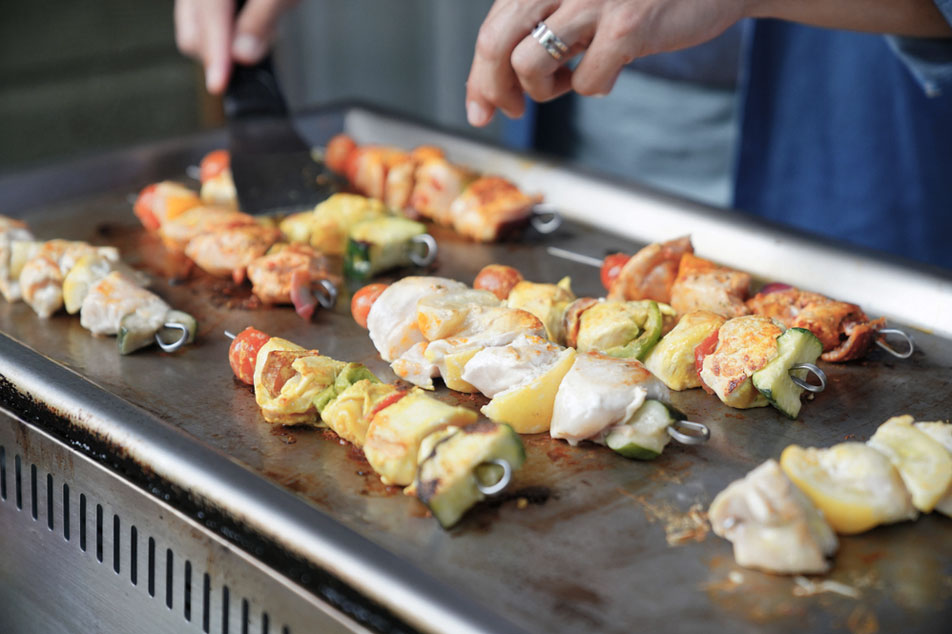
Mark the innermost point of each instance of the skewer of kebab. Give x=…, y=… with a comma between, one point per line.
x=746, y=361
x=434, y=326
x=227, y=243
x=93, y=282
x=441, y=453
x=423, y=183
x=783, y=518
x=670, y=270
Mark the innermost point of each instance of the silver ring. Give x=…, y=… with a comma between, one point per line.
x=502, y=483
x=428, y=243
x=551, y=42
x=812, y=369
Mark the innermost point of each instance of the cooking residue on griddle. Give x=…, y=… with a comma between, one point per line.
x=679, y=527
x=524, y=496
x=283, y=434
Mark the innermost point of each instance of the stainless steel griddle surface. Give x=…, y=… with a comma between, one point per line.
x=584, y=540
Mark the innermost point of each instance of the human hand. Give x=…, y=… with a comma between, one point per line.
x=509, y=63
x=208, y=31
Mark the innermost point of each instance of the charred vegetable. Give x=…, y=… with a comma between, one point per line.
x=385, y=243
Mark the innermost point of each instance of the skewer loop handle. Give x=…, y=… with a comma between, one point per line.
x=545, y=220
x=428, y=254
x=500, y=484
x=697, y=433
x=881, y=342
x=812, y=369
x=178, y=343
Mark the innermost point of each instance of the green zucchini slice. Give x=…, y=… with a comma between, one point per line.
x=179, y=329
x=645, y=434
x=639, y=347
x=462, y=462
x=379, y=245
x=794, y=346
x=135, y=332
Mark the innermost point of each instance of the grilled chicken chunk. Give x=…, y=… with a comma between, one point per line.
x=177, y=232
x=116, y=296
x=773, y=526
x=744, y=345
x=227, y=252
x=401, y=177
x=368, y=167
x=41, y=278
x=844, y=329
x=11, y=230
x=488, y=208
x=392, y=320
x=598, y=392
x=273, y=276
x=437, y=183
x=703, y=285
x=650, y=273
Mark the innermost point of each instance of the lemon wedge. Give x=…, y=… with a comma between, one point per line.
x=924, y=465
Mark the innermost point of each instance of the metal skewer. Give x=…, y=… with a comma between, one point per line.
x=881, y=342
x=545, y=219
x=428, y=243
x=574, y=257
x=502, y=483
x=812, y=369
x=697, y=433
x=178, y=343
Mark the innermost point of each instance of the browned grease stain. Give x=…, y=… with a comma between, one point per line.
x=862, y=621
x=680, y=527
x=284, y=433
x=671, y=473
x=735, y=415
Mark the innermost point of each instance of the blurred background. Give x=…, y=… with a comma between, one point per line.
x=77, y=78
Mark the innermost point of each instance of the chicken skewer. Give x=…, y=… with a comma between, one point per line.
x=449, y=460
x=527, y=377
x=424, y=183
x=843, y=328
x=782, y=518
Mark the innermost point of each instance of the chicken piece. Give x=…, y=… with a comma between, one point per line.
x=437, y=183
x=855, y=486
x=489, y=208
x=89, y=269
x=392, y=444
x=522, y=379
x=392, y=320
x=271, y=275
x=672, y=359
x=650, y=273
x=703, y=285
x=548, y=302
x=598, y=392
x=773, y=526
x=11, y=230
x=445, y=314
x=228, y=251
x=401, y=177
x=368, y=166
x=844, y=329
x=219, y=190
x=942, y=434
x=41, y=278
x=116, y=296
x=744, y=345
x=177, y=232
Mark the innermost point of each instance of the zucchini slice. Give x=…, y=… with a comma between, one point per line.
x=461, y=462
x=380, y=244
x=794, y=345
x=645, y=434
x=135, y=331
x=170, y=335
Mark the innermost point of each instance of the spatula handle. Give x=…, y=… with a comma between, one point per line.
x=253, y=90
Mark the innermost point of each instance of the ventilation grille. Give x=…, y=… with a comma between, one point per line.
x=166, y=577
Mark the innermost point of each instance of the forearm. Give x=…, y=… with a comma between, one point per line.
x=913, y=18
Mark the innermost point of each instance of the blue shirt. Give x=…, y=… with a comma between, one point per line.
x=849, y=135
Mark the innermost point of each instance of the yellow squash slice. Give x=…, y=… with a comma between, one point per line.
x=527, y=408
x=854, y=485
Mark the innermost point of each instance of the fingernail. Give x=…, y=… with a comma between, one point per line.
x=476, y=113
x=248, y=48
x=214, y=77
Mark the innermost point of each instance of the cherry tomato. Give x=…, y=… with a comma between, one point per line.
x=498, y=279
x=243, y=353
x=701, y=350
x=338, y=152
x=214, y=164
x=363, y=300
x=144, y=205
x=611, y=267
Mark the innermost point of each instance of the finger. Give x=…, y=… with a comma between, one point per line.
x=186, y=27
x=254, y=30
x=540, y=74
x=216, y=19
x=492, y=82
x=608, y=53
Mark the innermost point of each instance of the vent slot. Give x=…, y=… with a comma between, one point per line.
x=188, y=591
x=134, y=555
x=19, y=482
x=115, y=543
x=206, y=601
x=224, y=609
x=168, y=578
x=99, y=533
x=82, y=522
x=49, y=501
x=151, y=567
x=3, y=473
x=33, y=490
x=65, y=511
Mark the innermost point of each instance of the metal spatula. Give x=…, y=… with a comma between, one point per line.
x=272, y=165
